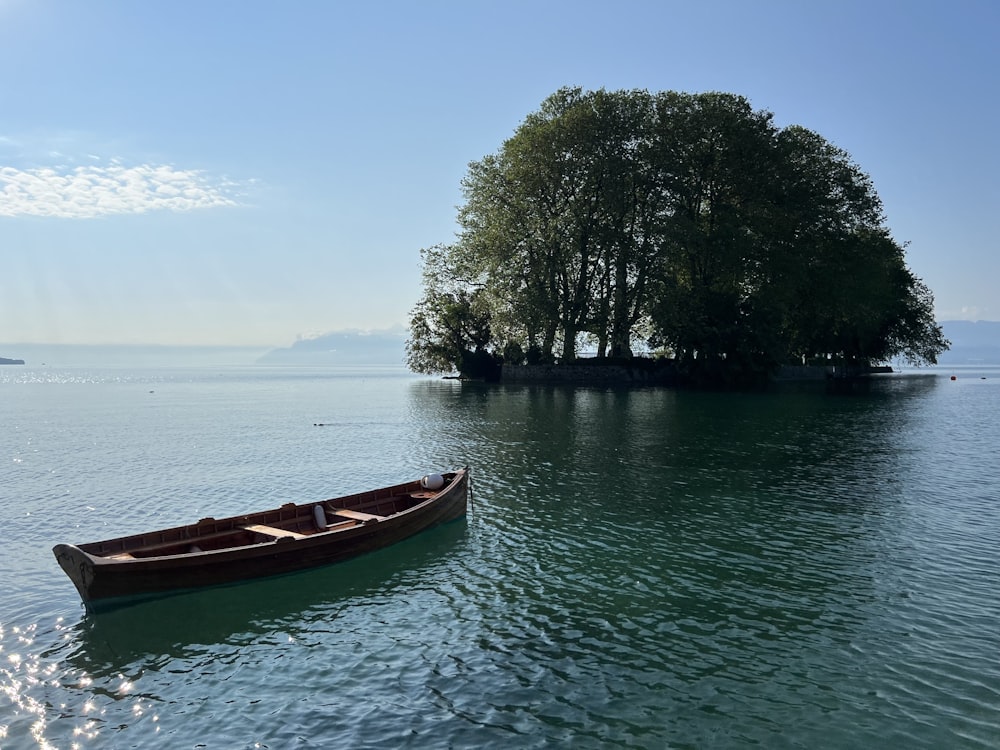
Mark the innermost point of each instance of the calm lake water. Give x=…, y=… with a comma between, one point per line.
x=640, y=568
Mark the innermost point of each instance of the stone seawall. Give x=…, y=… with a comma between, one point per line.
x=660, y=373
x=590, y=374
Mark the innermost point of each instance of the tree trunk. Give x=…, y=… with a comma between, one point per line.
x=621, y=333
x=569, y=343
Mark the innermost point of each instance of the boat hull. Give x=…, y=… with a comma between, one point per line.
x=106, y=577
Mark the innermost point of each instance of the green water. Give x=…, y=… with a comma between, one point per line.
x=640, y=568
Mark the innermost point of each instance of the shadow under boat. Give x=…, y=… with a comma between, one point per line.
x=170, y=626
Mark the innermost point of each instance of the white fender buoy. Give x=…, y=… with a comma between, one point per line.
x=320, y=515
x=432, y=482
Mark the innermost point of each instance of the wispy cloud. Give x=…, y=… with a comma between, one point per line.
x=90, y=191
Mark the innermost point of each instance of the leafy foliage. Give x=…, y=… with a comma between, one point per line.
x=450, y=326
x=687, y=222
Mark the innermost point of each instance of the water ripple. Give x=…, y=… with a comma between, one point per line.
x=640, y=569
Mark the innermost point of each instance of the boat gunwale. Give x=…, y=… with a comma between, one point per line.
x=265, y=546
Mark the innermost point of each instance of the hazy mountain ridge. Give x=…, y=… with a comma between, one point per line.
x=134, y=355
x=972, y=342
x=343, y=348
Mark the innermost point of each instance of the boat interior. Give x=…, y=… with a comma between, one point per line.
x=287, y=523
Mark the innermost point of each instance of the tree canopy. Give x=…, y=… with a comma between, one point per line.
x=685, y=223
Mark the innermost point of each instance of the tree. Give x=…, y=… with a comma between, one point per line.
x=450, y=325
x=562, y=223
x=689, y=221
x=712, y=156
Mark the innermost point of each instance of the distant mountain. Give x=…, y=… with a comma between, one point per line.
x=350, y=347
x=343, y=348
x=972, y=342
x=137, y=355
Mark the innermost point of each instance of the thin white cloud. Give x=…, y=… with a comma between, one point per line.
x=90, y=191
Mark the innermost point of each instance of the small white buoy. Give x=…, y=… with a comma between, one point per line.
x=319, y=515
x=432, y=482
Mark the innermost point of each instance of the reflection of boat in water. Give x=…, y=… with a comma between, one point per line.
x=281, y=540
x=188, y=623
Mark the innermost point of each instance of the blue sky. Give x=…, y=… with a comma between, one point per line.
x=249, y=173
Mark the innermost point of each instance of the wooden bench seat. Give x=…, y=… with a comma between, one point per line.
x=150, y=550
x=273, y=531
x=357, y=515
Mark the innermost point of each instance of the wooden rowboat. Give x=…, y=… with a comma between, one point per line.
x=281, y=540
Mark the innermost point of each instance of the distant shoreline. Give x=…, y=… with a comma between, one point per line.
x=5, y=361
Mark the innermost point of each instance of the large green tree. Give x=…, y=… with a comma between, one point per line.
x=561, y=223
x=690, y=222
x=712, y=155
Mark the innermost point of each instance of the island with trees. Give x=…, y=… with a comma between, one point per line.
x=687, y=231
